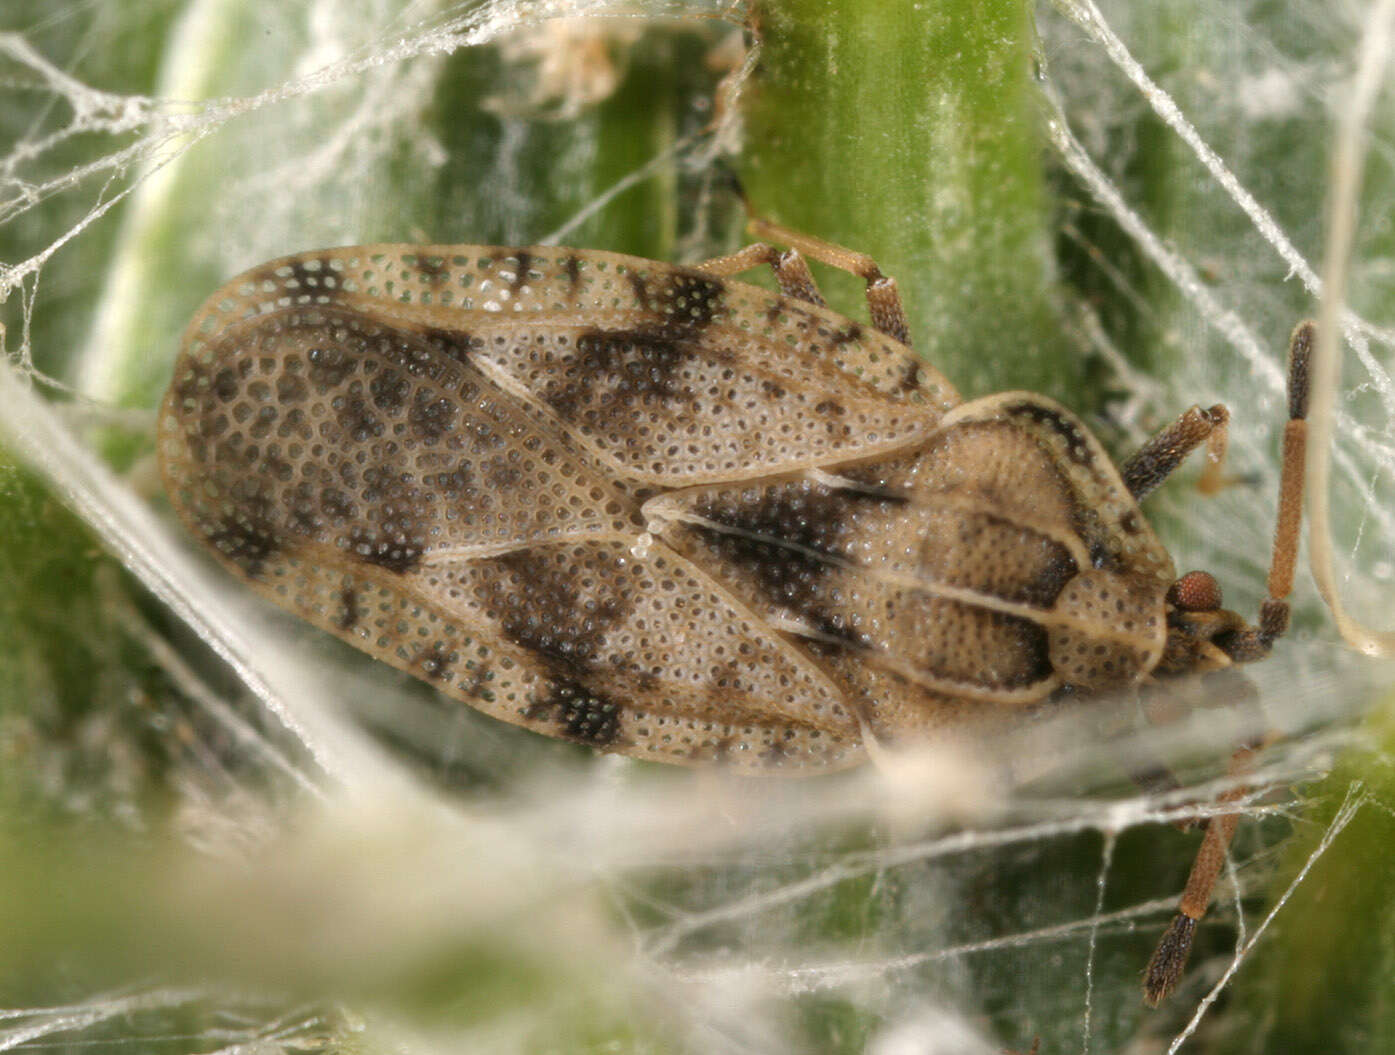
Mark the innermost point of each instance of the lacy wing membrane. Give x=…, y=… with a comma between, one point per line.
x=667, y=375
x=437, y=484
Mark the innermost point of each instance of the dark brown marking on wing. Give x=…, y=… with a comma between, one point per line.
x=349, y=612
x=1131, y=522
x=454, y=344
x=312, y=281
x=536, y=605
x=572, y=266
x=786, y=526
x=1041, y=590
x=389, y=389
x=849, y=333
x=459, y=480
x=391, y=534
x=1038, y=589
x=684, y=301
x=519, y=261
x=480, y=676
x=788, y=538
x=974, y=645
x=248, y=535
x=275, y=467
x=626, y=367
x=1077, y=450
x=431, y=418
x=501, y=471
x=226, y=385
x=777, y=752
x=435, y=662
x=291, y=389
x=835, y=634
x=330, y=367
x=393, y=553
x=304, y=519
x=640, y=288
x=691, y=301
x=1101, y=554
x=337, y=505
x=359, y=422
x=582, y=715
x=911, y=381
x=774, y=755
x=633, y=365
x=433, y=272
x=1030, y=643
x=520, y=275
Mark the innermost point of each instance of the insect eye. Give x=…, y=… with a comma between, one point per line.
x=1197, y=591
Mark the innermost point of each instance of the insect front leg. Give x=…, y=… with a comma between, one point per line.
x=1156, y=459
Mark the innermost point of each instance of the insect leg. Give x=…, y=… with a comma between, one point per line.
x=1170, y=958
x=790, y=269
x=1156, y=459
x=883, y=298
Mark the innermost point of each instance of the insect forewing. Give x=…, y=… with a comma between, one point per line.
x=436, y=454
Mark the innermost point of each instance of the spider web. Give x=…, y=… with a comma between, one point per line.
x=948, y=902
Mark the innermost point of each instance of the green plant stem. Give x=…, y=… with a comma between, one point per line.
x=907, y=131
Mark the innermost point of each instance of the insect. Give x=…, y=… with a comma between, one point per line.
x=661, y=512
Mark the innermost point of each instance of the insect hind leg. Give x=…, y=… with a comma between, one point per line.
x=883, y=298
x=791, y=272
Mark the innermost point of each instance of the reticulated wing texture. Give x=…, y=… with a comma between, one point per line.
x=440, y=455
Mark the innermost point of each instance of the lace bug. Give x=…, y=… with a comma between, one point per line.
x=663, y=513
